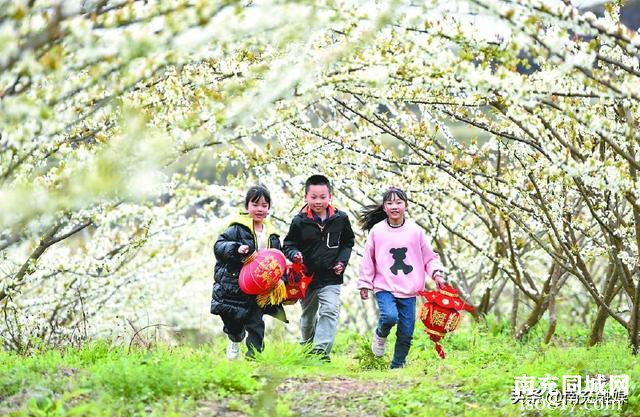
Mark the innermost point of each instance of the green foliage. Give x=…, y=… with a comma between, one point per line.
x=366, y=359
x=285, y=355
x=495, y=326
x=156, y=374
x=101, y=377
x=478, y=374
x=475, y=379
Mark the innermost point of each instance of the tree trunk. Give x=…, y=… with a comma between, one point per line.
x=556, y=273
x=542, y=303
x=634, y=325
x=535, y=316
x=610, y=292
x=514, y=309
x=634, y=328
x=483, y=307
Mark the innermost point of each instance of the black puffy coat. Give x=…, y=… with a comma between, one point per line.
x=322, y=246
x=227, y=298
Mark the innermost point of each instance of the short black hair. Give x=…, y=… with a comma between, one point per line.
x=255, y=193
x=317, y=180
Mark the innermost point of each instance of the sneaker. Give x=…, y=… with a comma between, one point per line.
x=233, y=350
x=378, y=344
x=321, y=354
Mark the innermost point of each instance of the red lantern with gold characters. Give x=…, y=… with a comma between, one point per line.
x=261, y=276
x=441, y=313
x=297, y=282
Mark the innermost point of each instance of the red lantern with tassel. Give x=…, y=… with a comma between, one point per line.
x=441, y=313
x=261, y=275
x=297, y=282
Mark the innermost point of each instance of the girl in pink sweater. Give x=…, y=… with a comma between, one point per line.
x=397, y=257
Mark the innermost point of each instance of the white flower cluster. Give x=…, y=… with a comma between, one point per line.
x=127, y=134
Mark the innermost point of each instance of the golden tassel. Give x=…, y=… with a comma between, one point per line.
x=424, y=312
x=274, y=297
x=250, y=258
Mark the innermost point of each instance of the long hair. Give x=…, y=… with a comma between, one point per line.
x=371, y=215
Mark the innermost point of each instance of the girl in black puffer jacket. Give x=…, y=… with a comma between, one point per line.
x=247, y=232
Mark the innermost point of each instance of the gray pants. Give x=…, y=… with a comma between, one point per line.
x=319, y=321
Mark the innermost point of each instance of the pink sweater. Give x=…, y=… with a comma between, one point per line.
x=397, y=260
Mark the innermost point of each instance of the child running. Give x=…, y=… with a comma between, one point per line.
x=397, y=257
x=320, y=236
x=247, y=232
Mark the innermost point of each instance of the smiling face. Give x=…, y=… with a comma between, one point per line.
x=394, y=207
x=318, y=198
x=258, y=210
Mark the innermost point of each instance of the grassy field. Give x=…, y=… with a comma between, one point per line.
x=476, y=379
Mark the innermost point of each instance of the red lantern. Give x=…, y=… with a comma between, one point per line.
x=261, y=275
x=441, y=313
x=297, y=282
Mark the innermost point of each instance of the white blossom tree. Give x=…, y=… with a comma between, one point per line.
x=129, y=129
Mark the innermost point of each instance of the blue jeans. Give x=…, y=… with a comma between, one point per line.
x=319, y=320
x=400, y=311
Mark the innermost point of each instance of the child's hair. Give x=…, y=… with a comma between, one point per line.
x=317, y=180
x=370, y=215
x=255, y=193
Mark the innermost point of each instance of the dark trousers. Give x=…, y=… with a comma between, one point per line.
x=252, y=327
x=401, y=312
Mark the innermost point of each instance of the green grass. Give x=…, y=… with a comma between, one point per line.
x=103, y=378
x=476, y=379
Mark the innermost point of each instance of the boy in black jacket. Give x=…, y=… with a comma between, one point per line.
x=321, y=237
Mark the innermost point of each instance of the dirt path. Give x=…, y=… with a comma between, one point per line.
x=335, y=397
x=309, y=397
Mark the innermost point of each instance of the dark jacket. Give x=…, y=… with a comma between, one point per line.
x=227, y=298
x=322, y=246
